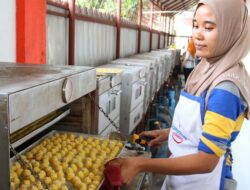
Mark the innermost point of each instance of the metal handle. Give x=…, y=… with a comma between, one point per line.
x=144, y=83
x=116, y=92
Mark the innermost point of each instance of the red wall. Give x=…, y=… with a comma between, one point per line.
x=31, y=31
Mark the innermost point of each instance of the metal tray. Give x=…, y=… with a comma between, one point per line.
x=53, y=133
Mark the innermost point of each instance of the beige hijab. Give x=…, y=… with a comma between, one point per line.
x=232, y=45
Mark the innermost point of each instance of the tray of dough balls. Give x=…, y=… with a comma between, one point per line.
x=64, y=161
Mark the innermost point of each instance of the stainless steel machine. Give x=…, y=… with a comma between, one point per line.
x=30, y=92
x=109, y=95
x=159, y=65
x=167, y=62
x=133, y=84
x=150, y=75
x=170, y=56
x=161, y=59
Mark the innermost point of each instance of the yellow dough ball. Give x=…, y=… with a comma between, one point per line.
x=96, y=183
x=76, y=181
x=54, y=187
x=79, y=147
x=85, y=170
x=92, y=187
x=29, y=155
x=18, y=165
x=80, y=138
x=87, y=180
x=88, y=163
x=74, y=167
x=37, y=169
x=26, y=182
x=91, y=175
x=64, y=187
x=81, y=175
x=19, y=171
x=33, y=187
x=57, y=182
x=26, y=173
x=32, y=178
x=16, y=181
x=120, y=145
x=89, y=139
x=24, y=187
x=39, y=185
x=82, y=154
x=35, y=163
x=97, y=171
x=12, y=186
x=42, y=174
x=84, y=143
x=65, y=165
x=69, y=170
x=48, y=180
x=83, y=186
x=60, y=174
x=39, y=156
x=79, y=164
x=62, y=179
x=98, y=148
x=92, y=155
x=72, y=136
x=13, y=174
x=53, y=176
x=70, y=176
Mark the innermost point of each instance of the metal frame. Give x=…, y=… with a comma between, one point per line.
x=4, y=145
x=44, y=88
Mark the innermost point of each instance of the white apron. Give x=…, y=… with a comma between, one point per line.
x=184, y=139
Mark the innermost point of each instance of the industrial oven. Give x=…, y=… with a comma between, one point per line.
x=109, y=96
x=170, y=56
x=167, y=62
x=158, y=63
x=148, y=65
x=154, y=71
x=32, y=98
x=132, y=96
x=161, y=59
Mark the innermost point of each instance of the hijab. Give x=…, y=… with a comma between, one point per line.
x=232, y=45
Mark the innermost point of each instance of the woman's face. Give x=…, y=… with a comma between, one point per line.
x=205, y=32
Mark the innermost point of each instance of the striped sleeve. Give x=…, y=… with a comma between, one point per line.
x=224, y=108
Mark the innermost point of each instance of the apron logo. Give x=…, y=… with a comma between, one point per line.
x=177, y=135
x=177, y=138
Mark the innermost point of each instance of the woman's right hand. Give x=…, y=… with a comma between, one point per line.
x=157, y=136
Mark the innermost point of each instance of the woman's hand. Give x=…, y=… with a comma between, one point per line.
x=159, y=136
x=130, y=168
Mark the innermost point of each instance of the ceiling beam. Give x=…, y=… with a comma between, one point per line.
x=163, y=2
x=180, y=7
x=154, y=3
x=187, y=4
x=177, y=2
x=167, y=2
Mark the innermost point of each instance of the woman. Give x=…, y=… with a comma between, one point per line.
x=189, y=59
x=210, y=110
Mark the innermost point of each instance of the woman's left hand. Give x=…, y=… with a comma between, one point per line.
x=130, y=167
